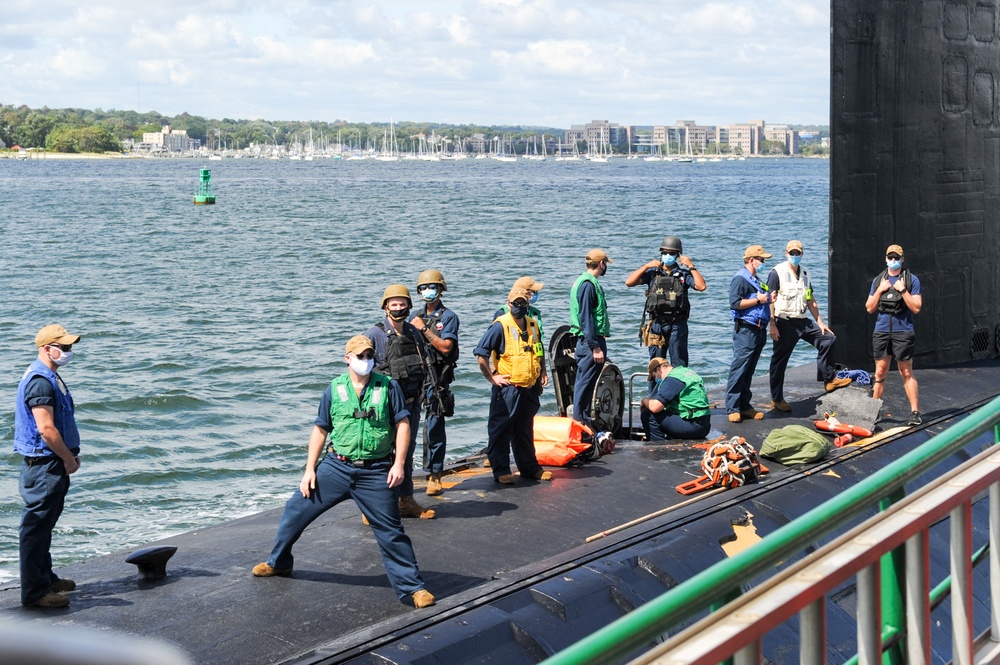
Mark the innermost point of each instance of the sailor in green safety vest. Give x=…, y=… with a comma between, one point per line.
x=365, y=414
x=588, y=320
x=677, y=406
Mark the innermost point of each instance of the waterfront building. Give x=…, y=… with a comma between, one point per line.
x=600, y=134
x=169, y=140
x=782, y=134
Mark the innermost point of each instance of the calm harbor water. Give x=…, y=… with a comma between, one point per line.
x=210, y=332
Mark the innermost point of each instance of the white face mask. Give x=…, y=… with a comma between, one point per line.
x=63, y=359
x=362, y=367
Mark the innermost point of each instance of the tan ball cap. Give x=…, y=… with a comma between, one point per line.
x=519, y=293
x=359, y=344
x=54, y=334
x=528, y=283
x=754, y=251
x=598, y=255
x=793, y=244
x=894, y=249
x=654, y=365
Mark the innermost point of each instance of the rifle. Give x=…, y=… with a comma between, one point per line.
x=436, y=398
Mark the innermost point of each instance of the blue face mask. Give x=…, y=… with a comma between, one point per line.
x=429, y=295
x=893, y=264
x=534, y=298
x=795, y=260
x=668, y=259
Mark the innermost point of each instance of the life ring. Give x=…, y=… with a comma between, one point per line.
x=836, y=427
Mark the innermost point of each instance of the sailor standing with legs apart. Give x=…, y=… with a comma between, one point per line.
x=668, y=280
x=365, y=416
x=793, y=296
x=588, y=320
x=510, y=357
x=439, y=326
x=45, y=434
x=399, y=353
x=749, y=302
x=895, y=295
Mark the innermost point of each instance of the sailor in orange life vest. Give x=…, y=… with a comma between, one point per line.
x=399, y=352
x=677, y=406
x=512, y=345
x=749, y=302
x=793, y=296
x=365, y=415
x=895, y=295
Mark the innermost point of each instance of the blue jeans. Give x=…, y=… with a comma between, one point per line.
x=662, y=426
x=335, y=482
x=587, y=372
x=437, y=439
x=43, y=487
x=790, y=331
x=405, y=488
x=512, y=425
x=748, y=342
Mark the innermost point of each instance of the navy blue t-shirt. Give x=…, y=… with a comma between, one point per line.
x=667, y=391
x=900, y=322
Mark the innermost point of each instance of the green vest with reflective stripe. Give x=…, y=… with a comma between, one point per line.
x=693, y=401
x=601, y=323
x=368, y=437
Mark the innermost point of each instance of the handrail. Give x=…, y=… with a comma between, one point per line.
x=715, y=583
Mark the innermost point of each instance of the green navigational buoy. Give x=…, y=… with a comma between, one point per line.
x=204, y=196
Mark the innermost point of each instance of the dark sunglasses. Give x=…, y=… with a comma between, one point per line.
x=893, y=257
x=795, y=252
x=366, y=355
x=673, y=253
x=62, y=347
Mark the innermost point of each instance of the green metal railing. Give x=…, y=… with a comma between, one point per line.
x=715, y=585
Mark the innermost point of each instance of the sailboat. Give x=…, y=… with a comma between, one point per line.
x=390, y=153
x=686, y=157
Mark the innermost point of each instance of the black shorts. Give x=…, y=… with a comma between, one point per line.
x=899, y=345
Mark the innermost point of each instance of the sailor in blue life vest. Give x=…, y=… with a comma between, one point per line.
x=895, y=295
x=749, y=302
x=439, y=326
x=510, y=357
x=588, y=320
x=533, y=288
x=793, y=296
x=45, y=434
x=668, y=280
x=399, y=353
x=677, y=406
x=365, y=415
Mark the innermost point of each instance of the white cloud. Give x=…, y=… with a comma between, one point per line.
x=479, y=61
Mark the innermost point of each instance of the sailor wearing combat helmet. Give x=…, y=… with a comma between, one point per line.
x=365, y=416
x=668, y=280
x=400, y=352
x=793, y=297
x=439, y=326
x=510, y=357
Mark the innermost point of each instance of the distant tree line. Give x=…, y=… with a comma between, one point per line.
x=81, y=130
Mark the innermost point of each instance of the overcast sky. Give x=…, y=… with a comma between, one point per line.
x=545, y=62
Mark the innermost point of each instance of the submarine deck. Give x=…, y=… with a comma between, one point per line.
x=488, y=543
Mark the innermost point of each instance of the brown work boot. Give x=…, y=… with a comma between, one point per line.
x=506, y=479
x=542, y=475
x=50, y=601
x=735, y=417
x=422, y=598
x=752, y=414
x=434, y=487
x=265, y=570
x=781, y=405
x=63, y=585
x=408, y=507
x=837, y=383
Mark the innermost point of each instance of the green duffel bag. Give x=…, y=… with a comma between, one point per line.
x=795, y=444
